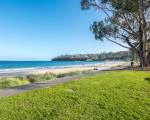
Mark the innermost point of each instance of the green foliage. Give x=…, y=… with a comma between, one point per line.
x=108, y=96
x=12, y=81
x=125, y=23
x=40, y=77
x=86, y=72
x=68, y=74
x=122, y=55
x=100, y=30
x=7, y=82
x=85, y=4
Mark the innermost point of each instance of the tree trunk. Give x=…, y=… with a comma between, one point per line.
x=148, y=59
x=141, y=60
x=144, y=60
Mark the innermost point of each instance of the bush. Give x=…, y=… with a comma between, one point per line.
x=12, y=81
x=86, y=72
x=67, y=74
x=6, y=82
x=40, y=77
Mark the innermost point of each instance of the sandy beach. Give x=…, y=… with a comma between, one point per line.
x=68, y=69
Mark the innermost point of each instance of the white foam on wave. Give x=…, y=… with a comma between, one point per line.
x=12, y=70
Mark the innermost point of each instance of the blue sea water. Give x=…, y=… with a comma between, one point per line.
x=42, y=64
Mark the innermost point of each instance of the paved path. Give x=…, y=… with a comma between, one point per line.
x=43, y=84
x=47, y=83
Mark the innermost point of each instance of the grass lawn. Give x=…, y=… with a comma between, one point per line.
x=123, y=95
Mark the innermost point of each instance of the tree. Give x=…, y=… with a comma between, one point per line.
x=127, y=23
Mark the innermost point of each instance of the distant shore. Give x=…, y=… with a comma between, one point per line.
x=68, y=69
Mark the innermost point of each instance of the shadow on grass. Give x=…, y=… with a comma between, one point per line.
x=147, y=79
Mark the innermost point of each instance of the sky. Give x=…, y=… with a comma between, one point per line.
x=43, y=29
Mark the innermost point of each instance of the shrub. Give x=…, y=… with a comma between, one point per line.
x=40, y=77
x=12, y=81
x=67, y=74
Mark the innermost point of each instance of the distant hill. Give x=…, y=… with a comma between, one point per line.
x=122, y=55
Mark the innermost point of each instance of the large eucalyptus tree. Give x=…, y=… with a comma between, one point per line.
x=126, y=23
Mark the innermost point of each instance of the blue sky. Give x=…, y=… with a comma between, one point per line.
x=42, y=29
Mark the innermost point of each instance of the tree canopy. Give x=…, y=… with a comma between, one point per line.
x=126, y=23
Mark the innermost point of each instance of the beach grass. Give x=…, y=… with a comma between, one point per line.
x=7, y=82
x=68, y=74
x=119, y=95
x=40, y=77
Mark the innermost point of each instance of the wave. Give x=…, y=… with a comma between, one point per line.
x=23, y=69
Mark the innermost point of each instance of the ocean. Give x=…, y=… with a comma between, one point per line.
x=16, y=65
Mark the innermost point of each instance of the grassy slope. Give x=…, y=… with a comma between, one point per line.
x=112, y=95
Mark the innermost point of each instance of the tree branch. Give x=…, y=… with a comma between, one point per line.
x=117, y=43
x=99, y=7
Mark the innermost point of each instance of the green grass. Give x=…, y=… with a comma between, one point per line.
x=68, y=74
x=109, y=96
x=6, y=82
x=73, y=73
x=40, y=77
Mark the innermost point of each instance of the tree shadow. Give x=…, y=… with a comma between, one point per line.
x=147, y=79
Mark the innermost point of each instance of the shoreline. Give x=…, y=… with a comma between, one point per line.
x=61, y=69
